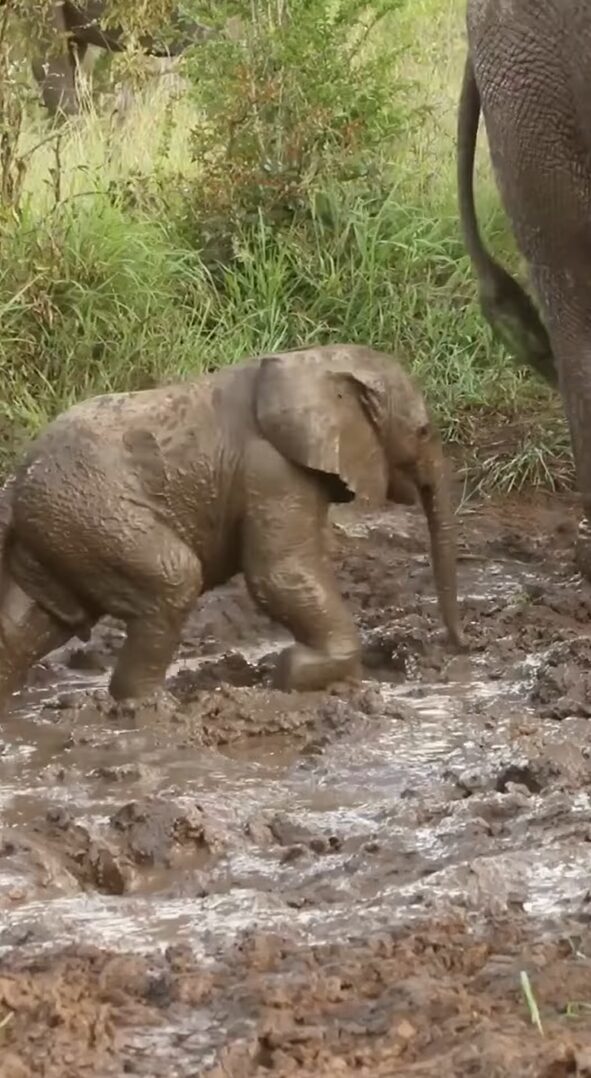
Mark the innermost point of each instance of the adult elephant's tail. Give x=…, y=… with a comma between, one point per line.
x=504, y=303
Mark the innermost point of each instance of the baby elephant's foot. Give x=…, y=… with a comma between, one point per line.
x=306, y=670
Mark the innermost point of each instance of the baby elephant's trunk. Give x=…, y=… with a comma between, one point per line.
x=436, y=501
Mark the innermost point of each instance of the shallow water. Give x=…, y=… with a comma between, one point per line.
x=442, y=784
x=392, y=783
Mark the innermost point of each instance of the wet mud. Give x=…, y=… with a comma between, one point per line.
x=233, y=881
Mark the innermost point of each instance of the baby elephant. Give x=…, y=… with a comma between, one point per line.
x=133, y=504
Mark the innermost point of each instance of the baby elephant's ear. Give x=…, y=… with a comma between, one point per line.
x=314, y=417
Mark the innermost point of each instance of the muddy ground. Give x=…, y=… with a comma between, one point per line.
x=341, y=883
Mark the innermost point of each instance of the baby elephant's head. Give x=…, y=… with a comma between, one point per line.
x=355, y=417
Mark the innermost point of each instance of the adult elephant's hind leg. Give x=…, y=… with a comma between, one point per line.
x=27, y=633
x=573, y=348
x=565, y=295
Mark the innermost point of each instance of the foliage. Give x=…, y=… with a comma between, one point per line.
x=296, y=100
x=300, y=188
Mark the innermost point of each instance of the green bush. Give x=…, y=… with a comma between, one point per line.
x=300, y=99
x=300, y=189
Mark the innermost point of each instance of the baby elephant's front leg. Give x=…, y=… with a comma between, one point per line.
x=289, y=575
x=332, y=652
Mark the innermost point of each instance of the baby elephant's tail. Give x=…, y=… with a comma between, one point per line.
x=27, y=631
x=6, y=496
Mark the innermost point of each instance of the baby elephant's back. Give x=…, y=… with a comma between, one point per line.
x=101, y=455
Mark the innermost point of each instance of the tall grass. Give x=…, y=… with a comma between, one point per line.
x=107, y=281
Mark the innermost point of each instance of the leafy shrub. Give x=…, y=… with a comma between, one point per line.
x=300, y=97
x=298, y=190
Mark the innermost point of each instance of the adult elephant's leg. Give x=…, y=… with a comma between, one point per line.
x=560, y=265
x=27, y=633
x=289, y=575
x=568, y=314
x=538, y=132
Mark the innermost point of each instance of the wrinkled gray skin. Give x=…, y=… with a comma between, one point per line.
x=529, y=69
x=78, y=25
x=133, y=504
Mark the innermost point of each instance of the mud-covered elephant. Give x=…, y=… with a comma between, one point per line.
x=529, y=70
x=73, y=27
x=133, y=504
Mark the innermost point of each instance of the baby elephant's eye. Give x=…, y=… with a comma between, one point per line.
x=424, y=430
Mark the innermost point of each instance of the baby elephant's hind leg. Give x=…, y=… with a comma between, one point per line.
x=164, y=588
x=27, y=633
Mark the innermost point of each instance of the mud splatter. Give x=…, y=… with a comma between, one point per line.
x=237, y=881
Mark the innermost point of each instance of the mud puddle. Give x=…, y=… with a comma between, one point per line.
x=333, y=883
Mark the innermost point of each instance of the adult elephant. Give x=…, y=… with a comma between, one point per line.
x=529, y=70
x=76, y=26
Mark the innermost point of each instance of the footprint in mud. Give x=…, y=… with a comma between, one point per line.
x=217, y=717
x=56, y=854
x=562, y=681
x=278, y=828
x=153, y=830
x=230, y=668
x=229, y=715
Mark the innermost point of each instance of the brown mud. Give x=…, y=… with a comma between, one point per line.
x=245, y=882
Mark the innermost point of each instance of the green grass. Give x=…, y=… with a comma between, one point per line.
x=531, y=1001
x=102, y=285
